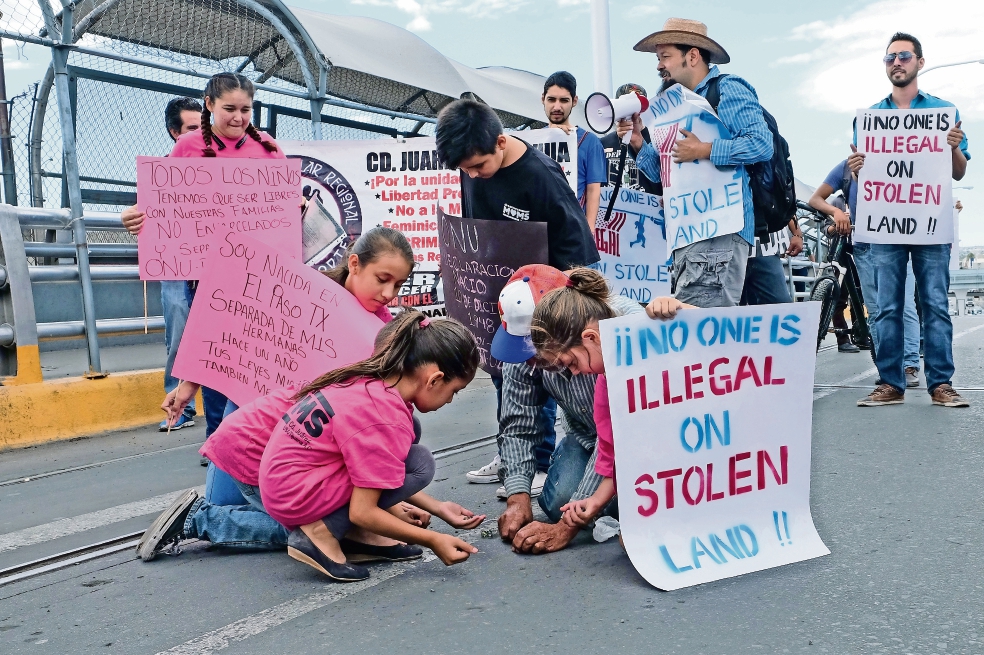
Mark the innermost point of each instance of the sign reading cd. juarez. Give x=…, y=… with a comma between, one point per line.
x=262, y=321
x=189, y=201
x=713, y=481
x=700, y=200
x=353, y=186
x=905, y=192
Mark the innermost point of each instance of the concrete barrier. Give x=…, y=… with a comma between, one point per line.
x=54, y=410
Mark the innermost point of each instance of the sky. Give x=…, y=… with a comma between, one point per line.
x=813, y=64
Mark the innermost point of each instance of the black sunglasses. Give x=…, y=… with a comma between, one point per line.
x=904, y=57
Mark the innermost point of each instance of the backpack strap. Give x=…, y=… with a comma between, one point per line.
x=713, y=95
x=581, y=140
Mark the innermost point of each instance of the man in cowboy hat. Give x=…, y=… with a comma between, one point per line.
x=708, y=273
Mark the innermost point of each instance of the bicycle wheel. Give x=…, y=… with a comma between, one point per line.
x=826, y=291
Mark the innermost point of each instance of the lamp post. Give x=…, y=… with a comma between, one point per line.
x=956, y=63
x=601, y=41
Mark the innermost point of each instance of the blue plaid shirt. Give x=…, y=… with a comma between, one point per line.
x=922, y=100
x=751, y=141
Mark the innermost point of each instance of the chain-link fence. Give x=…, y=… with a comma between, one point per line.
x=162, y=48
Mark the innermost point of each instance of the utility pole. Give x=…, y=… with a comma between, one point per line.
x=601, y=40
x=6, y=145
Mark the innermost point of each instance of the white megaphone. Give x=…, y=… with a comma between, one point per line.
x=602, y=113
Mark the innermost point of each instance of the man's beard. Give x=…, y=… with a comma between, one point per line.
x=555, y=120
x=904, y=81
x=667, y=83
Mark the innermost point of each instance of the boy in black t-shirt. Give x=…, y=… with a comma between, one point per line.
x=503, y=178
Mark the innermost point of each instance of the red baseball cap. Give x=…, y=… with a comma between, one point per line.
x=524, y=290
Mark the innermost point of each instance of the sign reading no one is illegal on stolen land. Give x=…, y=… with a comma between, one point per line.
x=713, y=477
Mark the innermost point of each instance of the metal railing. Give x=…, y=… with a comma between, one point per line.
x=20, y=333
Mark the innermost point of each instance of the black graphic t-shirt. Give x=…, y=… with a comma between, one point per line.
x=534, y=188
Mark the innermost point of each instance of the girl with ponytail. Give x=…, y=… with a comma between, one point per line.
x=344, y=457
x=566, y=337
x=227, y=130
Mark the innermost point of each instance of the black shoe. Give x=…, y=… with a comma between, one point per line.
x=360, y=552
x=303, y=549
x=168, y=528
x=847, y=347
x=204, y=461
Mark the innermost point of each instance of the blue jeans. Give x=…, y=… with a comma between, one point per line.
x=765, y=282
x=564, y=476
x=546, y=425
x=175, y=304
x=864, y=261
x=930, y=266
x=242, y=524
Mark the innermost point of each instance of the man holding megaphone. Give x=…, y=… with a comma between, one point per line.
x=708, y=273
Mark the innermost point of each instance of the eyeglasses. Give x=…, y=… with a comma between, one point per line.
x=904, y=57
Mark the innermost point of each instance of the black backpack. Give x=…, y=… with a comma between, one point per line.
x=772, y=184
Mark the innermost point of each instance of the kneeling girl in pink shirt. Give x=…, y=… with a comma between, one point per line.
x=344, y=455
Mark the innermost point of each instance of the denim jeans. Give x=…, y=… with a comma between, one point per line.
x=765, y=282
x=864, y=261
x=176, y=309
x=243, y=524
x=930, y=266
x=420, y=467
x=566, y=471
x=546, y=425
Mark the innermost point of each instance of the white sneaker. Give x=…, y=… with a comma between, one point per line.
x=536, y=490
x=485, y=475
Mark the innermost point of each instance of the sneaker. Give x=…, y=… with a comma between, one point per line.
x=945, y=395
x=485, y=475
x=535, y=490
x=884, y=394
x=356, y=551
x=184, y=421
x=168, y=528
x=847, y=347
x=911, y=376
x=302, y=549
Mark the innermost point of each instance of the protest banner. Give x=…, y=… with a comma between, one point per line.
x=188, y=201
x=353, y=186
x=477, y=259
x=262, y=320
x=700, y=200
x=713, y=480
x=905, y=190
x=632, y=245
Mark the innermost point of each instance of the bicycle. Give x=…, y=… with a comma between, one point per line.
x=836, y=271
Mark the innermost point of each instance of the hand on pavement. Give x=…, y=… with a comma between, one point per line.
x=538, y=538
x=519, y=512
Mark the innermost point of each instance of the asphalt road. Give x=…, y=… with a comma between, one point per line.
x=897, y=496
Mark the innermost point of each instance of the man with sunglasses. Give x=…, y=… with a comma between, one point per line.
x=930, y=263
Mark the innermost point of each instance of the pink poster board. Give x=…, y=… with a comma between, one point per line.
x=187, y=201
x=262, y=321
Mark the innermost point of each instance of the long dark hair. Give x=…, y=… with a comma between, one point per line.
x=217, y=86
x=406, y=343
x=369, y=247
x=562, y=315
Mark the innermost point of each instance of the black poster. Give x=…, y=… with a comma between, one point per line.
x=477, y=259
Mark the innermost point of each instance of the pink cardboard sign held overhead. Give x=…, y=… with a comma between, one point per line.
x=262, y=321
x=188, y=201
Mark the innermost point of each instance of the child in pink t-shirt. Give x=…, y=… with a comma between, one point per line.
x=377, y=265
x=565, y=334
x=344, y=457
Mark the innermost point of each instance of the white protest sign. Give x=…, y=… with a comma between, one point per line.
x=905, y=190
x=354, y=186
x=700, y=200
x=632, y=245
x=713, y=477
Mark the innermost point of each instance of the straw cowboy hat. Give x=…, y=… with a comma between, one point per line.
x=684, y=32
